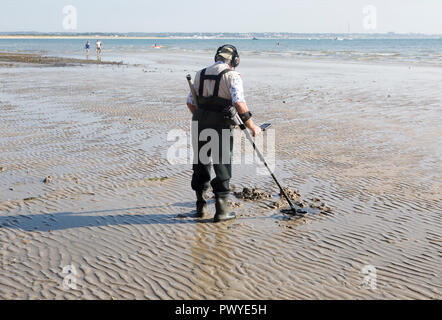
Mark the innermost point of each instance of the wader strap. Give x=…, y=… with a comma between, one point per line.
x=217, y=79
x=202, y=77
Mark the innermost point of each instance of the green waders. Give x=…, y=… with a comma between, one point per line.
x=215, y=149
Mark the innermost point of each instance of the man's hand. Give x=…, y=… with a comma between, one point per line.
x=256, y=131
x=191, y=107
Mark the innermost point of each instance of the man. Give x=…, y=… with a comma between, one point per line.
x=87, y=46
x=218, y=88
x=98, y=47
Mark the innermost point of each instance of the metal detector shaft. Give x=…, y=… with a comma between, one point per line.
x=192, y=90
x=238, y=121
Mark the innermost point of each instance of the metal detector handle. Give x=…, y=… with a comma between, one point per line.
x=192, y=90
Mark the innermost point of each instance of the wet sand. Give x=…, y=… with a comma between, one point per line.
x=37, y=59
x=84, y=182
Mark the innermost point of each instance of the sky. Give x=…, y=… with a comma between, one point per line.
x=298, y=16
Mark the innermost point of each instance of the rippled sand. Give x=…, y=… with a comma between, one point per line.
x=363, y=138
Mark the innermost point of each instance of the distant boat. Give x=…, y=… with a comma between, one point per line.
x=156, y=46
x=254, y=38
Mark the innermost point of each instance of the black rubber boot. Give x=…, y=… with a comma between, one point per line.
x=222, y=213
x=201, y=204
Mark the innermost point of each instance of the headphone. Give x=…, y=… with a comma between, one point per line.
x=235, y=56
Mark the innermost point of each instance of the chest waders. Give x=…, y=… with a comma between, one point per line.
x=233, y=115
x=212, y=121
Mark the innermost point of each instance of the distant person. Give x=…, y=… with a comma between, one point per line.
x=99, y=48
x=87, y=46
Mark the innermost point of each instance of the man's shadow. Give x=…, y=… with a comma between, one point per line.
x=70, y=220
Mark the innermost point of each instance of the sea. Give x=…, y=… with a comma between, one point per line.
x=129, y=50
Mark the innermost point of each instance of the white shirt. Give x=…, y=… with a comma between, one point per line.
x=236, y=90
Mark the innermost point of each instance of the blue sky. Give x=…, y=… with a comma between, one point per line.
x=315, y=16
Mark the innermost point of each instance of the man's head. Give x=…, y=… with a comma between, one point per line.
x=228, y=54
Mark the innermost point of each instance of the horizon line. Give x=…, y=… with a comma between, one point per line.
x=213, y=33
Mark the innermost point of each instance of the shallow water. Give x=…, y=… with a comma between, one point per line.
x=410, y=51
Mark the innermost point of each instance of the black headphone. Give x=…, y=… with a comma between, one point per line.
x=235, y=56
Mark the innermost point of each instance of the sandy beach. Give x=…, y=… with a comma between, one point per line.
x=85, y=184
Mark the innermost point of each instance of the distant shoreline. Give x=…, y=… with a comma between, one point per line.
x=80, y=37
x=19, y=37
x=331, y=36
